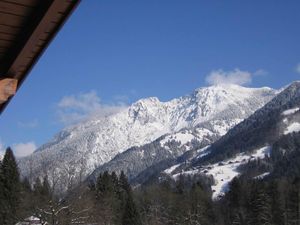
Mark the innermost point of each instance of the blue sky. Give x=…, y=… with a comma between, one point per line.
x=111, y=53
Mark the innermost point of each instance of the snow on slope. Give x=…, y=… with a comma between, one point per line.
x=76, y=151
x=171, y=169
x=293, y=127
x=223, y=172
x=290, y=111
x=183, y=138
x=267, y=125
x=262, y=176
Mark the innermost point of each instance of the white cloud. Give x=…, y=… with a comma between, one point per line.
x=260, y=72
x=235, y=76
x=298, y=68
x=75, y=108
x=24, y=149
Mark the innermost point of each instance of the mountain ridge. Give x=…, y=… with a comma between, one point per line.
x=77, y=151
x=250, y=143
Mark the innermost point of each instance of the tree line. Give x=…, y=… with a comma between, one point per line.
x=110, y=199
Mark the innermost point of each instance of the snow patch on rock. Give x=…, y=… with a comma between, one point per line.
x=290, y=111
x=182, y=137
x=293, y=127
x=262, y=176
x=171, y=169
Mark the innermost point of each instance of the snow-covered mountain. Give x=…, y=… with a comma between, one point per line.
x=254, y=138
x=77, y=151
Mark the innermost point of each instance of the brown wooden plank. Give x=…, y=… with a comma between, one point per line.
x=38, y=46
x=14, y=9
x=34, y=37
x=5, y=43
x=28, y=3
x=9, y=29
x=8, y=88
x=11, y=20
x=6, y=36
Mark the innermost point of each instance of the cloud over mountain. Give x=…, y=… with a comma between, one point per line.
x=235, y=76
x=24, y=149
x=75, y=108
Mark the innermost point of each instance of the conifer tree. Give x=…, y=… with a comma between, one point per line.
x=201, y=205
x=46, y=189
x=10, y=189
x=105, y=184
x=293, y=206
x=27, y=199
x=277, y=210
x=131, y=215
x=108, y=200
x=237, y=219
x=260, y=209
x=123, y=183
x=123, y=190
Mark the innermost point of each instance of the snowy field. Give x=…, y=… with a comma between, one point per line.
x=223, y=172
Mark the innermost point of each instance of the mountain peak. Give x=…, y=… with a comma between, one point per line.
x=214, y=110
x=147, y=101
x=294, y=86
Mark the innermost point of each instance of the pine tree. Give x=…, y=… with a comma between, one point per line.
x=260, y=209
x=10, y=189
x=234, y=194
x=277, y=210
x=108, y=198
x=26, y=205
x=180, y=184
x=105, y=184
x=131, y=215
x=123, y=190
x=46, y=189
x=200, y=205
x=123, y=183
x=237, y=219
x=234, y=201
x=293, y=206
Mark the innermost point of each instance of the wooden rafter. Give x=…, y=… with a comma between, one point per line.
x=26, y=29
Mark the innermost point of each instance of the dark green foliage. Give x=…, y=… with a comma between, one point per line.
x=124, y=184
x=293, y=204
x=259, y=208
x=114, y=200
x=10, y=189
x=276, y=202
x=41, y=194
x=273, y=200
x=131, y=215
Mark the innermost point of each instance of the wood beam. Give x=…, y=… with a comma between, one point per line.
x=8, y=88
x=44, y=23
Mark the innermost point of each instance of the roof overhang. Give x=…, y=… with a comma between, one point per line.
x=26, y=29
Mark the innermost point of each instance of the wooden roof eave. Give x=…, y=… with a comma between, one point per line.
x=35, y=36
